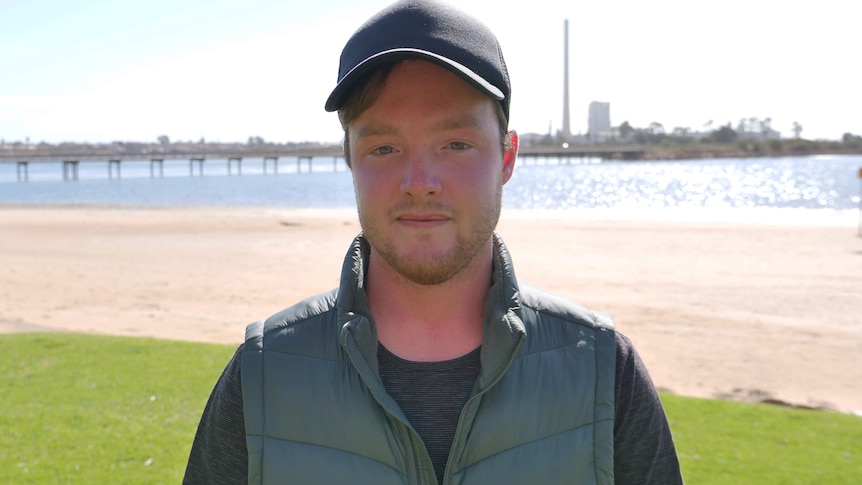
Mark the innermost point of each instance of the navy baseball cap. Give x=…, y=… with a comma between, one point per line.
x=431, y=31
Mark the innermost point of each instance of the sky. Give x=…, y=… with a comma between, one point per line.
x=99, y=71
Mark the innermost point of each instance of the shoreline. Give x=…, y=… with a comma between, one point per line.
x=750, y=149
x=717, y=309
x=678, y=148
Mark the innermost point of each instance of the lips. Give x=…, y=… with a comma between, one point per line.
x=422, y=219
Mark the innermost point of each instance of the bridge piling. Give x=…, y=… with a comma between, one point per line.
x=299, y=160
x=160, y=162
x=238, y=161
x=111, y=164
x=70, y=169
x=200, y=161
x=275, y=163
x=23, y=172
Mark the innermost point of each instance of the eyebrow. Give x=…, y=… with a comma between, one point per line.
x=379, y=130
x=445, y=125
x=456, y=124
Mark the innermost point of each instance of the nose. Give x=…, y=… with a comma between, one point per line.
x=421, y=178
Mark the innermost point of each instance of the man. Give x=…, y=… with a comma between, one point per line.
x=430, y=363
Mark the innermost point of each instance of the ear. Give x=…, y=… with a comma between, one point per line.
x=510, y=155
x=345, y=148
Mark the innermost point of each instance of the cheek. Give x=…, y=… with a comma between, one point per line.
x=368, y=185
x=480, y=178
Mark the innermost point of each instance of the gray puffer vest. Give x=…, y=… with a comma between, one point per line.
x=542, y=409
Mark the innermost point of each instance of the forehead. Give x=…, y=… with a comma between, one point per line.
x=419, y=77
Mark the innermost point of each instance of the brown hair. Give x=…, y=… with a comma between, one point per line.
x=367, y=91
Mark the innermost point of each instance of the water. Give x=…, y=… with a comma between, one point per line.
x=812, y=187
x=804, y=183
x=327, y=185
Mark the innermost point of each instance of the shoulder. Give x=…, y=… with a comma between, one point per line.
x=548, y=306
x=298, y=321
x=307, y=309
x=552, y=322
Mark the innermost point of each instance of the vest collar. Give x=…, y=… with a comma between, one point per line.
x=503, y=328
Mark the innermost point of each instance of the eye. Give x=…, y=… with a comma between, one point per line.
x=383, y=150
x=458, y=145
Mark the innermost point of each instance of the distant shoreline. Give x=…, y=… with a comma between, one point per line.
x=670, y=149
x=754, y=151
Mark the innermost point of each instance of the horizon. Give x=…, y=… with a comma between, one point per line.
x=100, y=72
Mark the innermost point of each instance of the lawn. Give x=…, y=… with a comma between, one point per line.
x=95, y=410
x=722, y=442
x=85, y=409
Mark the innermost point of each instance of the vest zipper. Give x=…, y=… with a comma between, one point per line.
x=410, y=437
x=458, y=442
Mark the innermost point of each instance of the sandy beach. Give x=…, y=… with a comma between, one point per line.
x=733, y=310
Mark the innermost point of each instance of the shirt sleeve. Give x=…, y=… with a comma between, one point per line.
x=219, y=454
x=644, y=452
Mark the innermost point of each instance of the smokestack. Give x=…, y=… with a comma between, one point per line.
x=567, y=130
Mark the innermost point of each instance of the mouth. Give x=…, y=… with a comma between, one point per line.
x=420, y=220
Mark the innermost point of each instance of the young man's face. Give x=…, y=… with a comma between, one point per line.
x=428, y=169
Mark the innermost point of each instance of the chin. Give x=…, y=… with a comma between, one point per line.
x=431, y=266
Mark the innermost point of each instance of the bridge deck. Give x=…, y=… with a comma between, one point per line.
x=35, y=156
x=71, y=161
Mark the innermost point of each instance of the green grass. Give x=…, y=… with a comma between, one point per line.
x=96, y=410
x=88, y=409
x=722, y=442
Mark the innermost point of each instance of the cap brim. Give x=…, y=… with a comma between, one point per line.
x=339, y=94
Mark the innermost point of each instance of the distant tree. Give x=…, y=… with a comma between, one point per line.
x=852, y=141
x=651, y=135
x=164, y=140
x=657, y=133
x=681, y=135
x=725, y=134
x=255, y=140
x=753, y=125
x=797, y=130
x=626, y=130
x=655, y=128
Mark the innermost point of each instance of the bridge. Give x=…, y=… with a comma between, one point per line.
x=71, y=160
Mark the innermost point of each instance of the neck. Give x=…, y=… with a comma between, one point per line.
x=429, y=322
